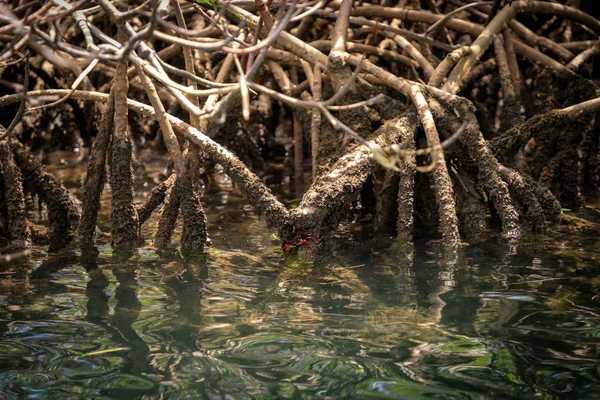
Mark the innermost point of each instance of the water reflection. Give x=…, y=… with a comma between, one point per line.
x=366, y=317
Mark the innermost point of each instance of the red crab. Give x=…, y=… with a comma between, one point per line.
x=288, y=245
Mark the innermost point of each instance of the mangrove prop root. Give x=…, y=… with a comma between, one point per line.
x=193, y=235
x=310, y=217
x=157, y=197
x=488, y=173
x=511, y=111
x=96, y=174
x=14, y=198
x=167, y=217
x=326, y=201
x=521, y=191
x=406, y=188
x=472, y=214
x=557, y=170
x=63, y=214
x=124, y=219
x=386, y=202
x=444, y=193
x=265, y=203
x=487, y=165
x=549, y=203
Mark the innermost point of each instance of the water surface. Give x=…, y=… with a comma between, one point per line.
x=360, y=318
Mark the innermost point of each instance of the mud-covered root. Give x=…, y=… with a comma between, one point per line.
x=194, y=236
x=63, y=213
x=537, y=206
x=554, y=157
x=157, y=197
x=471, y=212
x=14, y=199
x=405, y=200
x=181, y=195
x=331, y=194
x=167, y=216
x=518, y=200
x=479, y=151
x=386, y=211
x=494, y=185
x=96, y=175
x=395, y=201
x=124, y=218
x=444, y=193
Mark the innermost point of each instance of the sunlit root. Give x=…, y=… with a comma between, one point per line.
x=124, y=218
x=327, y=200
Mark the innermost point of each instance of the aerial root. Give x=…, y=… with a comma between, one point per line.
x=157, y=197
x=167, y=216
x=194, y=236
x=487, y=165
x=18, y=228
x=444, y=194
x=386, y=202
x=531, y=211
x=63, y=214
x=96, y=175
x=329, y=197
x=124, y=218
x=406, y=188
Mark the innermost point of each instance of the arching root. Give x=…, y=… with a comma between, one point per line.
x=167, y=216
x=157, y=197
x=63, y=214
x=516, y=198
x=329, y=197
x=20, y=234
x=558, y=170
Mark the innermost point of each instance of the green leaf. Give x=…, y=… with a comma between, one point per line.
x=207, y=2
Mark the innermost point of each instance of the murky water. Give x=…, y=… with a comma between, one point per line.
x=362, y=318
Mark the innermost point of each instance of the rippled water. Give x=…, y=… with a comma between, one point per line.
x=362, y=318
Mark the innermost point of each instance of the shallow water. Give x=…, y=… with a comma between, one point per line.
x=361, y=318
